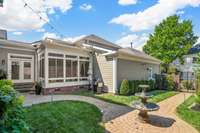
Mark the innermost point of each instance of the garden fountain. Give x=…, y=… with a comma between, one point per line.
x=143, y=106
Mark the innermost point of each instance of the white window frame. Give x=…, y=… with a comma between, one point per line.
x=21, y=65
x=64, y=83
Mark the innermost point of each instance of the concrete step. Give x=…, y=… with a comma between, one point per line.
x=24, y=87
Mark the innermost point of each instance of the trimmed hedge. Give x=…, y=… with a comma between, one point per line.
x=133, y=88
x=124, y=88
x=135, y=83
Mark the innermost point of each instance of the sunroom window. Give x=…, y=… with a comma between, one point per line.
x=84, y=67
x=55, y=68
x=71, y=68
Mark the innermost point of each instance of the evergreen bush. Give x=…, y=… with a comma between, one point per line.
x=124, y=88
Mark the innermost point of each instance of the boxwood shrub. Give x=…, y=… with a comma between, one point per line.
x=131, y=86
x=135, y=83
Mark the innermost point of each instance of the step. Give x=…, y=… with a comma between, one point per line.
x=24, y=87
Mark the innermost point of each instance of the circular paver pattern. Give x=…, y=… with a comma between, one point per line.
x=162, y=121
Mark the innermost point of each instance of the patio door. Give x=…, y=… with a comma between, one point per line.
x=20, y=69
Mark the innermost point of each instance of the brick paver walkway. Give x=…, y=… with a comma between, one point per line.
x=162, y=121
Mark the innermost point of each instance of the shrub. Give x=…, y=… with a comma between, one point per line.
x=135, y=83
x=11, y=110
x=124, y=88
x=170, y=82
x=38, y=88
x=3, y=74
x=187, y=84
x=197, y=98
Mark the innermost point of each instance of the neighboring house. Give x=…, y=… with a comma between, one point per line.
x=66, y=66
x=188, y=68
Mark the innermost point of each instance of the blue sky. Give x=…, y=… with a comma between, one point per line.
x=119, y=21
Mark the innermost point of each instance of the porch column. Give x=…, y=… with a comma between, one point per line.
x=114, y=74
x=46, y=68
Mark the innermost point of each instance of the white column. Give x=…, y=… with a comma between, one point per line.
x=46, y=68
x=78, y=70
x=114, y=74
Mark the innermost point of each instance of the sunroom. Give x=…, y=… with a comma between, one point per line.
x=63, y=65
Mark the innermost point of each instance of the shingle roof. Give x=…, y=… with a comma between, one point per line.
x=195, y=49
x=100, y=40
x=137, y=53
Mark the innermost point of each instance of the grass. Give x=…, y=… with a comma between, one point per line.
x=65, y=116
x=189, y=115
x=158, y=95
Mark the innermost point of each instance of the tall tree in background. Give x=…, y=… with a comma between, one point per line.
x=171, y=39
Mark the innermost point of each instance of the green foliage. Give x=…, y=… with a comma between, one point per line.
x=189, y=115
x=3, y=74
x=6, y=82
x=135, y=83
x=197, y=98
x=11, y=111
x=187, y=84
x=38, y=88
x=124, y=88
x=171, y=39
x=170, y=82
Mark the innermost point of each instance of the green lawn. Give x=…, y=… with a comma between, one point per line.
x=158, y=95
x=65, y=117
x=189, y=115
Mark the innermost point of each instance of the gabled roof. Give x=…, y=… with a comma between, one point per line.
x=137, y=53
x=16, y=44
x=98, y=40
x=195, y=49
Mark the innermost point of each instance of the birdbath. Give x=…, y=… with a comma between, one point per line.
x=143, y=106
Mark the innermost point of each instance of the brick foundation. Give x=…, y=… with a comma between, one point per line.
x=64, y=90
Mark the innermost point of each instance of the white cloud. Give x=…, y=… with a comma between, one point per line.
x=137, y=40
x=198, y=41
x=180, y=12
x=18, y=17
x=73, y=39
x=50, y=35
x=85, y=7
x=147, y=19
x=40, y=30
x=68, y=39
x=127, y=2
x=17, y=33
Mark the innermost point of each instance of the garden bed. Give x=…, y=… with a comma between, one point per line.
x=158, y=95
x=191, y=116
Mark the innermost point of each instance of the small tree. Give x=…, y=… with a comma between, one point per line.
x=124, y=88
x=171, y=39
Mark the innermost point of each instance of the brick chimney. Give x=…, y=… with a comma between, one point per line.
x=3, y=34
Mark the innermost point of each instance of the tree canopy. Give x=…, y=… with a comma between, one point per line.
x=171, y=39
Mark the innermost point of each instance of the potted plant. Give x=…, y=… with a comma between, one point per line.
x=38, y=88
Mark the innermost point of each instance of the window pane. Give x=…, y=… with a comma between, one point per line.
x=52, y=68
x=74, y=68
x=68, y=68
x=15, y=70
x=86, y=68
x=82, y=67
x=41, y=68
x=59, y=68
x=27, y=70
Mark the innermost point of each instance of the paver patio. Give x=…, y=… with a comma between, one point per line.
x=122, y=119
x=162, y=121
